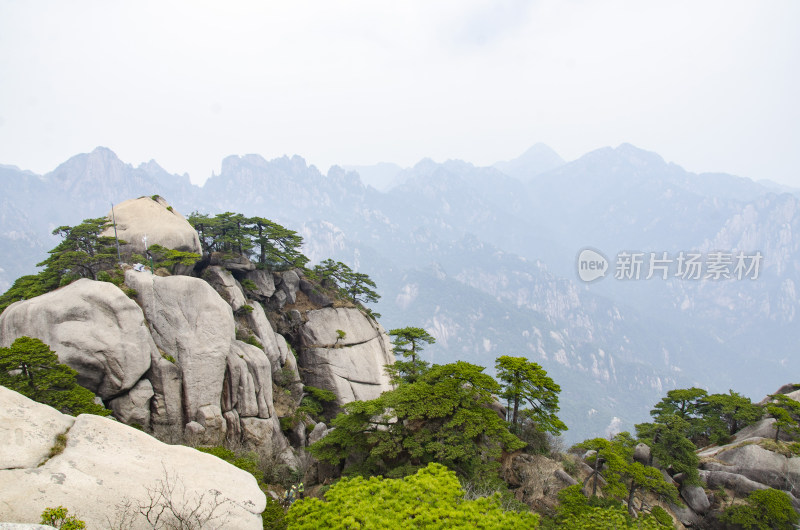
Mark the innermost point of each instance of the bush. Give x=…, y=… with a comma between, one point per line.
x=763, y=509
x=249, y=285
x=31, y=368
x=431, y=498
x=60, y=518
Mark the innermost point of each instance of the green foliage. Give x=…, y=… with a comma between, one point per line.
x=59, y=517
x=273, y=517
x=340, y=335
x=442, y=417
x=763, y=509
x=31, y=368
x=24, y=288
x=245, y=461
x=249, y=285
x=408, y=343
x=669, y=444
x=682, y=402
x=168, y=258
x=576, y=511
x=59, y=445
x=725, y=414
x=786, y=412
x=356, y=286
x=614, y=462
x=525, y=381
x=662, y=517
x=431, y=498
x=252, y=341
x=707, y=418
x=244, y=310
x=82, y=253
x=273, y=245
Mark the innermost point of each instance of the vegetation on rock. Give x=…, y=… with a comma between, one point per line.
x=270, y=244
x=763, y=510
x=443, y=417
x=431, y=498
x=31, y=368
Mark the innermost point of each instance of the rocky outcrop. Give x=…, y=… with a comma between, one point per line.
x=696, y=499
x=93, y=328
x=756, y=463
x=105, y=464
x=192, y=324
x=263, y=282
x=226, y=285
x=352, y=366
x=154, y=218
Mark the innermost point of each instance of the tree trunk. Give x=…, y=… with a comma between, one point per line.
x=630, y=498
x=516, y=410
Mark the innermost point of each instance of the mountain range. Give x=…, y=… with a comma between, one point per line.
x=485, y=259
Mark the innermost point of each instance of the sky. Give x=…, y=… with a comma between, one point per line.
x=709, y=85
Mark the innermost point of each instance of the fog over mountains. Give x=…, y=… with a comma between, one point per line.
x=485, y=259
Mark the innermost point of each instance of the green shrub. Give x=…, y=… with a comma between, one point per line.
x=662, y=517
x=253, y=341
x=763, y=509
x=31, y=368
x=249, y=285
x=431, y=498
x=244, y=310
x=59, y=518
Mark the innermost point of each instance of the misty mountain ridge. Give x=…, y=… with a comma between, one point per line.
x=485, y=258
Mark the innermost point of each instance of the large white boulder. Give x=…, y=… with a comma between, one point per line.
x=756, y=463
x=191, y=323
x=226, y=285
x=353, y=366
x=106, y=464
x=28, y=430
x=155, y=219
x=93, y=328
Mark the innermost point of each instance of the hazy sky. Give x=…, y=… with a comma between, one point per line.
x=712, y=86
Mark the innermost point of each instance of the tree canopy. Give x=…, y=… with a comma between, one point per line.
x=763, y=510
x=31, y=368
x=82, y=253
x=430, y=498
x=408, y=343
x=613, y=460
x=525, y=381
x=270, y=244
x=441, y=417
x=356, y=286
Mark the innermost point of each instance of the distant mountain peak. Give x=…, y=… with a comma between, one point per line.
x=538, y=159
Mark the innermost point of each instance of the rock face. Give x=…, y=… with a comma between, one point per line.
x=226, y=285
x=93, y=327
x=695, y=498
x=351, y=367
x=191, y=323
x=162, y=226
x=106, y=463
x=28, y=430
x=757, y=464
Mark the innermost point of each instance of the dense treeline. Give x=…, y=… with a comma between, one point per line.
x=267, y=243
